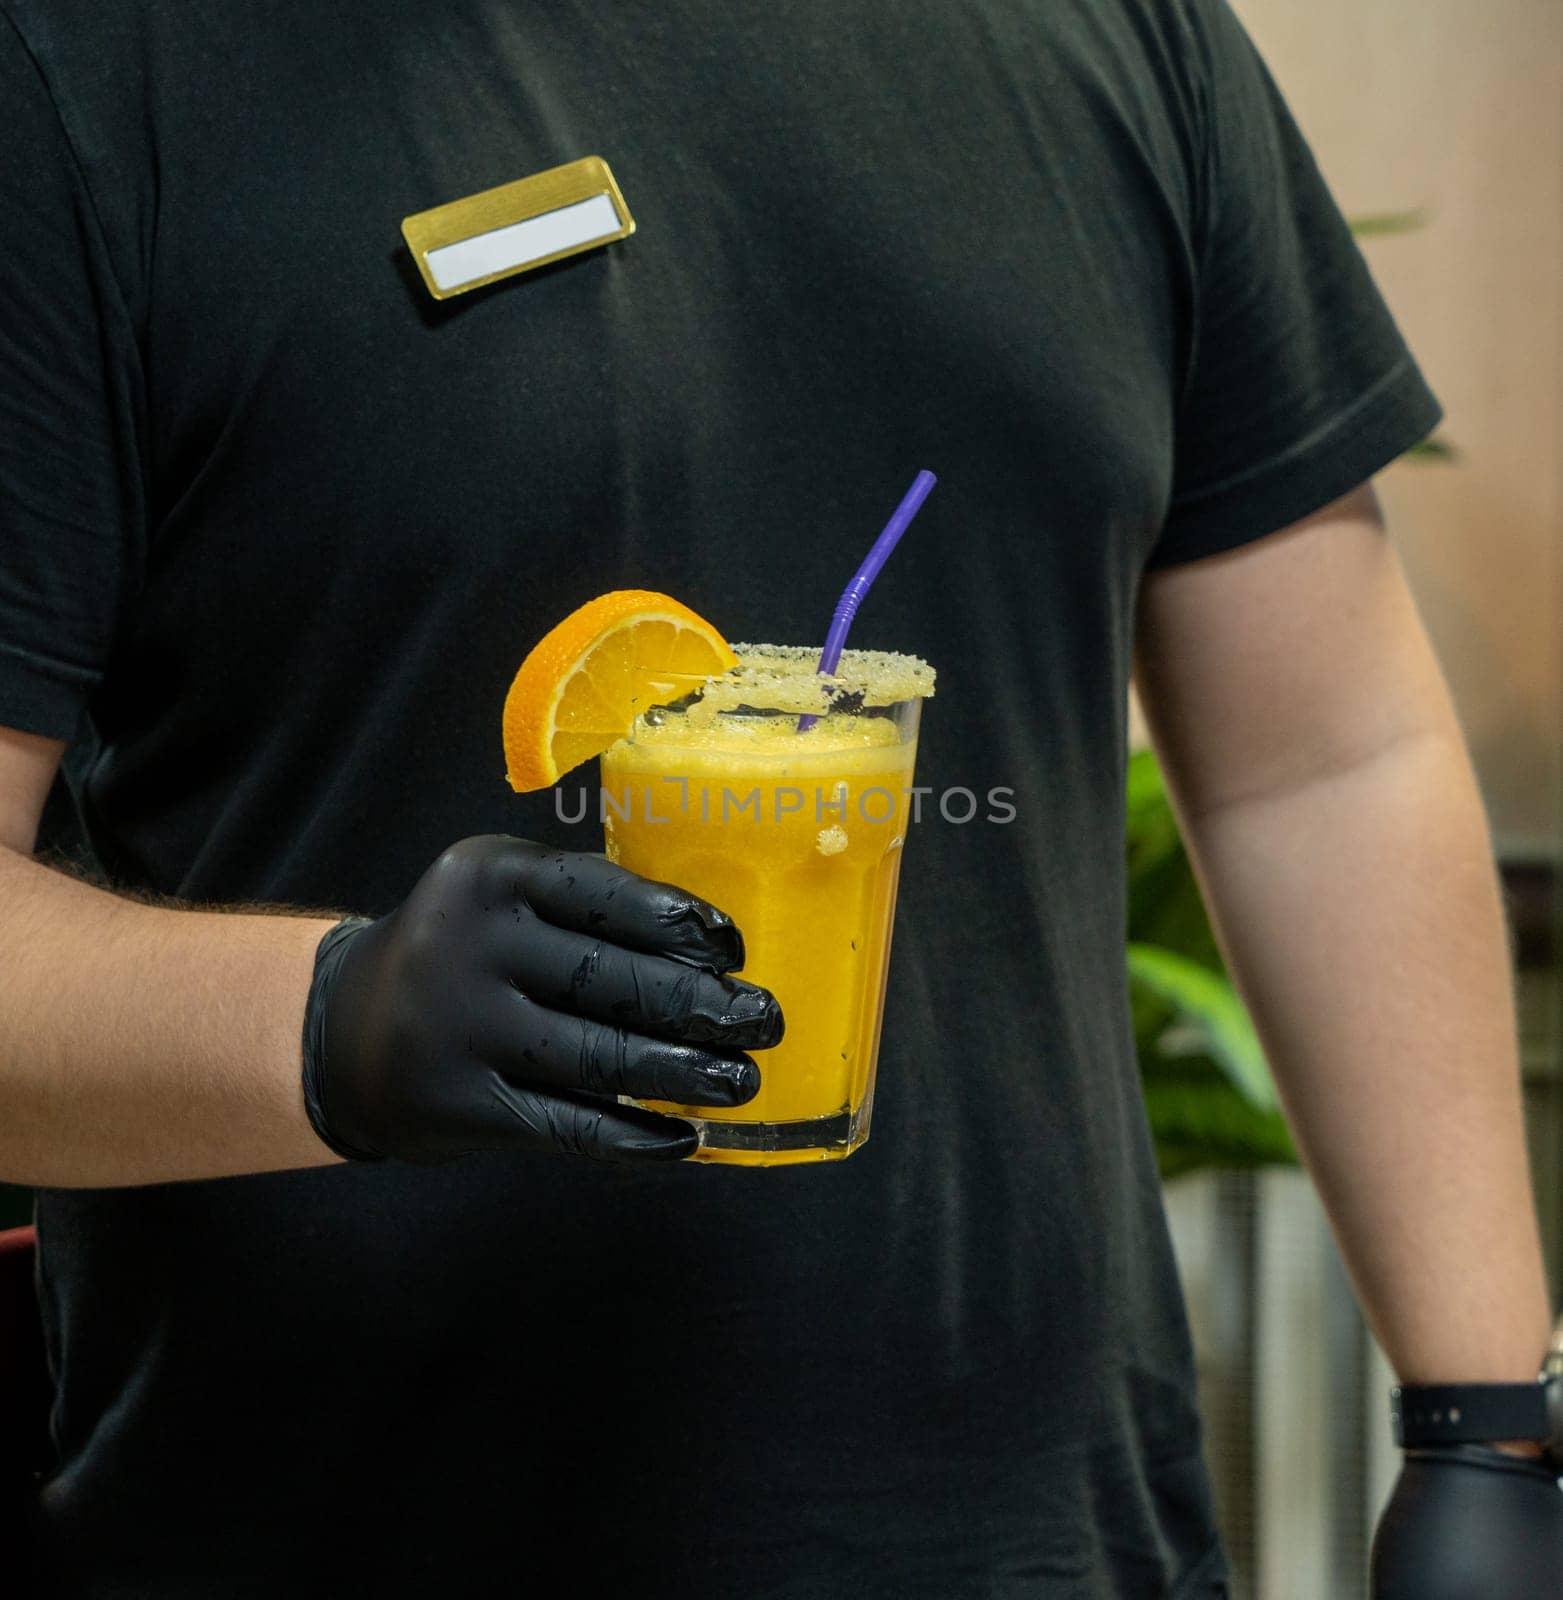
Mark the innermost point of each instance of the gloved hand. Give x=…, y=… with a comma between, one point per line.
x=512, y=995
x=1470, y=1522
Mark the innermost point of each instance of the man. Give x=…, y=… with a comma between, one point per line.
x=277, y=529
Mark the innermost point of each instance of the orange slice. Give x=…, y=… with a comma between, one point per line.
x=587, y=679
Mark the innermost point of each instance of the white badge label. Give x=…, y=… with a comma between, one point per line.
x=518, y=226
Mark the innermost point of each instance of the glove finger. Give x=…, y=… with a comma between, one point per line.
x=589, y=894
x=640, y=993
x=513, y=1116
x=534, y=1044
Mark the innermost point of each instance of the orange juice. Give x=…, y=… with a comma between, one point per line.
x=798, y=836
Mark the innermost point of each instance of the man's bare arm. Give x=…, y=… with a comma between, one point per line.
x=139, y=1044
x=1329, y=806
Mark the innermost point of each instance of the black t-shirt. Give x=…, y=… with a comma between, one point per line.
x=275, y=530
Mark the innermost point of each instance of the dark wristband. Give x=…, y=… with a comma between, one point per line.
x=1455, y=1413
x=328, y=959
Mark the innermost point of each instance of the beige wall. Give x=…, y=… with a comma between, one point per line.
x=1457, y=106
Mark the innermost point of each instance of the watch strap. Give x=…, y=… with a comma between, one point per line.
x=1468, y=1413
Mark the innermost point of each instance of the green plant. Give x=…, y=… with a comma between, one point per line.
x=1211, y=1100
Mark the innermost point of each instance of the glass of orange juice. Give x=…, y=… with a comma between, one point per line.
x=797, y=833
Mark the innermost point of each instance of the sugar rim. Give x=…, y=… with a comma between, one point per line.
x=783, y=677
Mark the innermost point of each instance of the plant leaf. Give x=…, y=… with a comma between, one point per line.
x=1433, y=450
x=1207, y=1001
x=1164, y=903
x=1199, y=1120
x=1144, y=791
x=1384, y=222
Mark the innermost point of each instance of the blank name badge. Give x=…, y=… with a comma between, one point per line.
x=518, y=226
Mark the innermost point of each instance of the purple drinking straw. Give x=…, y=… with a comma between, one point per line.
x=852, y=595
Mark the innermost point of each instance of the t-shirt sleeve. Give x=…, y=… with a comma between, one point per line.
x=1300, y=385
x=71, y=499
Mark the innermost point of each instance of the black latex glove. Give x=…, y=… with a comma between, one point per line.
x=512, y=995
x=1470, y=1522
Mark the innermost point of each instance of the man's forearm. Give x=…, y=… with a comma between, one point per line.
x=140, y=1044
x=1361, y=917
